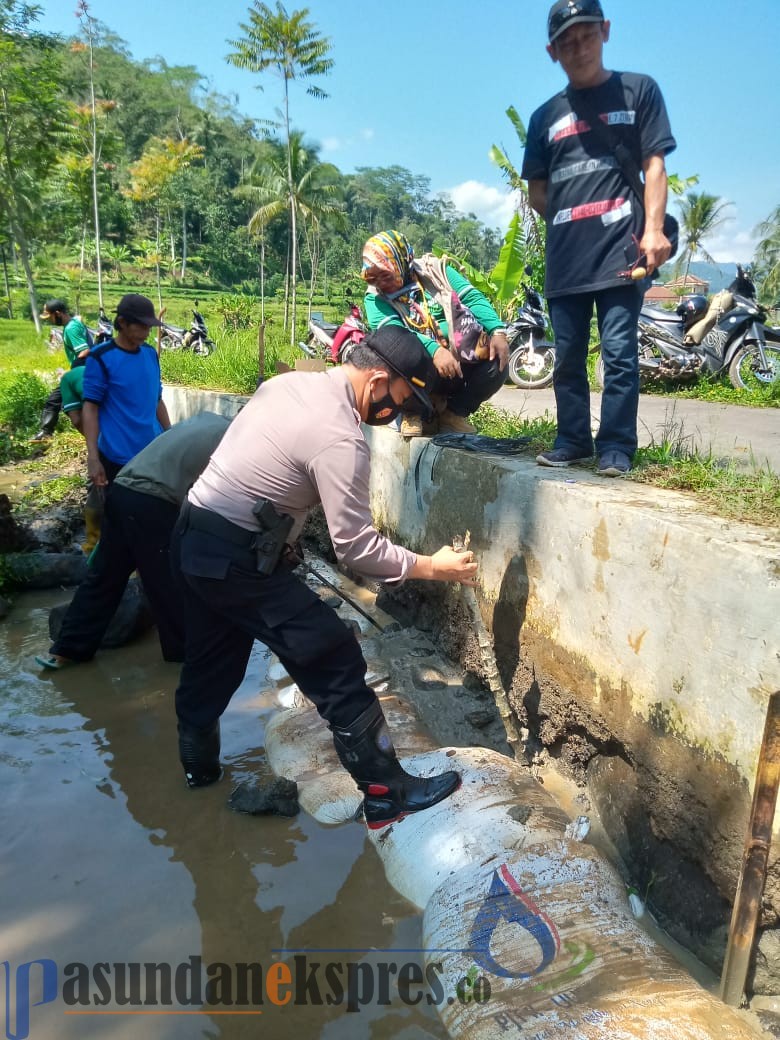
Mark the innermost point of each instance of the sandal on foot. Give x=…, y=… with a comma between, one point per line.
x=51, y=662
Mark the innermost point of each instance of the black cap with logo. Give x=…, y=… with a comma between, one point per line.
x=137, y=308
x=568, y=12
x=406, y=356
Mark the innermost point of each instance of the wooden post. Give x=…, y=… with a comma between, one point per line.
x=750, y=889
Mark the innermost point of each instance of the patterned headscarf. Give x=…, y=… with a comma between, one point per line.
x=390, y=251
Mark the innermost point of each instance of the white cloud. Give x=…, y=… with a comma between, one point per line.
x=493, y=206
x=731, y=244
x=341, y=144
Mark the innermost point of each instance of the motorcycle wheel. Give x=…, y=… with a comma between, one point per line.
x=744, y=371
x=536, y=374
x=168, y=342
x=203, y=347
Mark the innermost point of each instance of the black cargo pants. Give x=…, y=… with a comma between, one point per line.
x=135, y=534
x=229, y=605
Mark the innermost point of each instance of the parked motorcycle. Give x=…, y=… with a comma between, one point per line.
x=104, y=331
x=531, y=357
x=195, y=338
x=728, y=334
x=333, y=342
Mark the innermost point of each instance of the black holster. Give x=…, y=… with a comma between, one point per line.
x=270, y=541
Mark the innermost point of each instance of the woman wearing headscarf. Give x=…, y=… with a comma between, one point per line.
x=456, y=323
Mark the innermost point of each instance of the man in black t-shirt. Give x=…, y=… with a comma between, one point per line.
x=597, y=229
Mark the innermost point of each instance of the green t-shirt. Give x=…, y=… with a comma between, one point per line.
x=75, y=338
x=72, y=389
x=379, y=311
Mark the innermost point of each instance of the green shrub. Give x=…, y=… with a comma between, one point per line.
x=22, y=395
x=238, y=310
x=21, y=398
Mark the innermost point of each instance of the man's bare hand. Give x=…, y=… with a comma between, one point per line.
x=499, y=348
x=446, y=364
x=449, y=565
x=656, y=247
x=96, y=472
x=446, y=565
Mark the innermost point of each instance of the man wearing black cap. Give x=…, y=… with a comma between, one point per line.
x=297, y=443
x=123, y=408
x=585, y=149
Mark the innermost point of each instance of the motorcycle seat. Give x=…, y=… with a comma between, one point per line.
x=326, y=326
x=659, y=314
x=175, y=329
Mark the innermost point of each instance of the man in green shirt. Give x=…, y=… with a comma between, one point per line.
x=76, y=342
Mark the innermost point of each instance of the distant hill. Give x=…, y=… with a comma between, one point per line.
x=720, y=275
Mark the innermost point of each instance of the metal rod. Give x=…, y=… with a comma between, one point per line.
x=340, y=592
x=750, y=889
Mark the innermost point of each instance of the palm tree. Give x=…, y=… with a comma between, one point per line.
x=289, y=45
x=313, y=197
x=767, y=257
x=701, y=215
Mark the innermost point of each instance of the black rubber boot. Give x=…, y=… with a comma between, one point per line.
x=48, y=423
x=199, y=754
x=366, y=751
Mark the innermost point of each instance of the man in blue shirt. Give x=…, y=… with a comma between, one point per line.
x=123, y=408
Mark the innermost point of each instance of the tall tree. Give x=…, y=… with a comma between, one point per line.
x=31, y=117
x=315, y=192
x=701, y=215
x=153, y=180
x=289, y=46
x=88, y=24
x=767, y=258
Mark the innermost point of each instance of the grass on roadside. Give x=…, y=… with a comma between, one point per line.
x=233, y=367
x=721, y=391
x=750, y=494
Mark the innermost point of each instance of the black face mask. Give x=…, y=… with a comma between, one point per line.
x=383, y=411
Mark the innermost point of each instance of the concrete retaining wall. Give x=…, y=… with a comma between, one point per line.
x=678, y=609
x=649, y=631
x=658, y=626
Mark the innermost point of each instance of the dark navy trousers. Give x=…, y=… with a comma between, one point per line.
x=617, y=312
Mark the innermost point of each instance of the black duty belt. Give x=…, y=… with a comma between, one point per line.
x=212, y=523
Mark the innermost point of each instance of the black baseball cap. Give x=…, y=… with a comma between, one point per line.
x=52, y=306
x=568, y=12
x=402, y=351
x=134, y=307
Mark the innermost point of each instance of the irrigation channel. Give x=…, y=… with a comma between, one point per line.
x=130, y=890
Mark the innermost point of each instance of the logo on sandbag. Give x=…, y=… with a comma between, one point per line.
x=506, y=902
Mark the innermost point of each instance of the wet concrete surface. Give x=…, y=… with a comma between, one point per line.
x=109, y=859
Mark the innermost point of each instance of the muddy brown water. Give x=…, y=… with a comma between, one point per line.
x=109, y=860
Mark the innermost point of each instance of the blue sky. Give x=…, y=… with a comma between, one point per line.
x=425, y=84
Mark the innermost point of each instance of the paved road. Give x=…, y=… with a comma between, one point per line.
x=727, y=430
